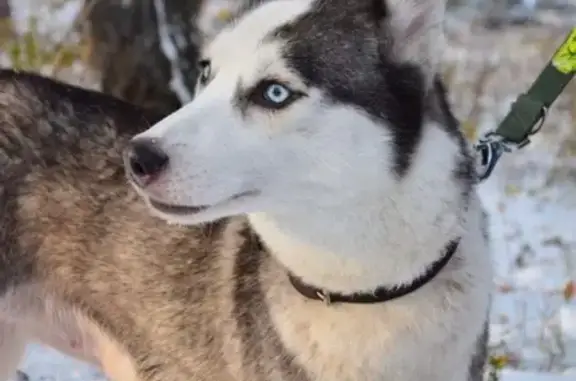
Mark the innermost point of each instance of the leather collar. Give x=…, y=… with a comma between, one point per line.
x=381, y=294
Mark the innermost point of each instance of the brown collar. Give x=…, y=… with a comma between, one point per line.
x=381, y=294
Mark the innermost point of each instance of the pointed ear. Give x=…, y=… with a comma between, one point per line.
x=416, y=28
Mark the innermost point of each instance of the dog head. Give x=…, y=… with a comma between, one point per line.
x=299, y=103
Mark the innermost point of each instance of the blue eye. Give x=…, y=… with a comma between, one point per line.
x=273, y=95
x=277, y=93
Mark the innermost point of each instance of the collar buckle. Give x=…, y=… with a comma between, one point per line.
x=324, y=296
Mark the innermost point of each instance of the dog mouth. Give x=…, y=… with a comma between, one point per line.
x=177, y=209
x=186, y=210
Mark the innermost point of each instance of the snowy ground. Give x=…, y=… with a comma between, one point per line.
x=531, y=199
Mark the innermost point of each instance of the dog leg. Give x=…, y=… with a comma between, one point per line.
x=12, y=346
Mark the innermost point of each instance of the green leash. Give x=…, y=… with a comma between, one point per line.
x=529, y=111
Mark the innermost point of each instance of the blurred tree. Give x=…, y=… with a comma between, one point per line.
x=4, y=9
x=141, y=47
x=147, y=50
x=6, y=29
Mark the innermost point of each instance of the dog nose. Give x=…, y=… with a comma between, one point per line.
x=145, y=159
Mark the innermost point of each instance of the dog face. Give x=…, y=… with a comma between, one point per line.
x=300, y=103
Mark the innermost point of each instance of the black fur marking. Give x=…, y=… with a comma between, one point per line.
x=248, y=312
x=465, y=169
x=379, y=10
x=17, y=265
x=484, y=226
x=343, y=51
x=480, y=355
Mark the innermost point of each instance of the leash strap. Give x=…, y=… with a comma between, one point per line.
x=529, y=111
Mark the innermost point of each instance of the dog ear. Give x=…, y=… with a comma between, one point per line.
x=415, y=28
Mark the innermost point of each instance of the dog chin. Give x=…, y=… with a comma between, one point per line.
x=193, y=215
x=189, y=220
x=176, y=215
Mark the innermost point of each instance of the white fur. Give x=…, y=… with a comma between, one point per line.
x=388, y=236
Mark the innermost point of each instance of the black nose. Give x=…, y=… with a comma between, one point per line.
x=145, y=159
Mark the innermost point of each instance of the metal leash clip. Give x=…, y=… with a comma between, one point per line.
x=493, y=145
x=490, y=148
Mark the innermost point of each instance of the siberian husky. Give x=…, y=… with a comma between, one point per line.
x=323, y=222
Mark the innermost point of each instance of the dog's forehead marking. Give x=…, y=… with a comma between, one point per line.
x=246, y=37
x=242, y=54
x=341, y=48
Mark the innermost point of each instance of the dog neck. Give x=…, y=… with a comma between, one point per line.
x=386, y=240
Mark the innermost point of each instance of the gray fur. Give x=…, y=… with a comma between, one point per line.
x=72, y=225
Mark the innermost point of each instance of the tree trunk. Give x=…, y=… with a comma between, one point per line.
x=6, y=30
x=146, y=51
x=4, y=9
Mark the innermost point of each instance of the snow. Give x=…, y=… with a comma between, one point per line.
x=532, y=245
x=45, y=364
x=534, y=255
x=508, y=375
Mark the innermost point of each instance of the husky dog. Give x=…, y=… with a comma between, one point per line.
x=324, y=223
